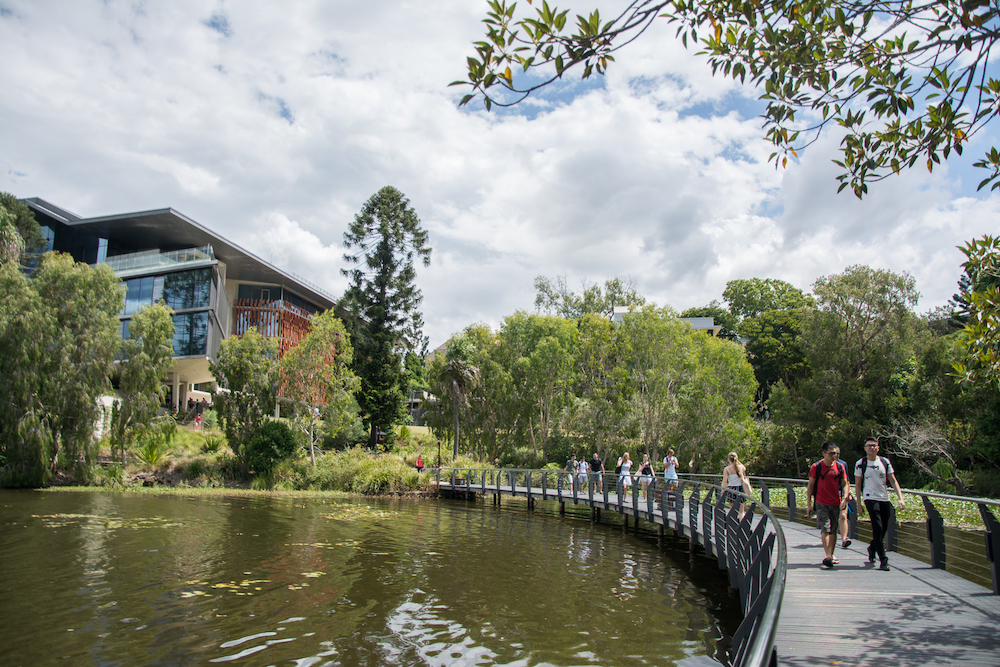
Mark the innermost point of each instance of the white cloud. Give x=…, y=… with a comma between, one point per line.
x=273, y=123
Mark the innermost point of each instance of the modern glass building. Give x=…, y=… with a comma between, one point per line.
x=215, y=288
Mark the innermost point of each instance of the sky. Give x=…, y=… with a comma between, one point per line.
x=272, y=123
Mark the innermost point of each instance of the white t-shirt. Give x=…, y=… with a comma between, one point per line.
x=875, y=478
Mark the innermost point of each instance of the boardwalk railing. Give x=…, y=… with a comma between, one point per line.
x=751, y=550
x=968, y=561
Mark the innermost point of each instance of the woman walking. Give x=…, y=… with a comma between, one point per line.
x=625, y=479
x=645, y=473
x=734, y=476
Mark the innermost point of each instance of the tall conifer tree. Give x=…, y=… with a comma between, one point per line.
x=381, y=304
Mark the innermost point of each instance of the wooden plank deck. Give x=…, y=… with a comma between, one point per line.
x=855, y=615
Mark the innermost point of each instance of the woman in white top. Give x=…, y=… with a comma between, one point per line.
x=626, y=477
x=734, y=476
x=645, y=473
x=670, y=470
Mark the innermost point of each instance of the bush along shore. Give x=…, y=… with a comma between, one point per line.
x=200, y=459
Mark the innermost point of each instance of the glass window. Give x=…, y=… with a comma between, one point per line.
x=132, y=296
x=190, y=334
x=146, y=291
x=188, y=289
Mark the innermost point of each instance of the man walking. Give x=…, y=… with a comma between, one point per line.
x=870, y=475
x=830, y=487
x=597, y=471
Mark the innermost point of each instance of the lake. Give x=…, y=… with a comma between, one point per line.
x=100, y=578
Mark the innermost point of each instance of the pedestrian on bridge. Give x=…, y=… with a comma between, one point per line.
x=625, y=477
x=870, y=476
x=734, y=477
x=830, y=487
x=597, y=471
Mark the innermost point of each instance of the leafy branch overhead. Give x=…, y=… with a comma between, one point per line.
x=906, y=80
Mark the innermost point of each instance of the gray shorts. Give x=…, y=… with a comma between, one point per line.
x=827, y=518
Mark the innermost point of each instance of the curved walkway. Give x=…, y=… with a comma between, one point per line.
x=853, y=614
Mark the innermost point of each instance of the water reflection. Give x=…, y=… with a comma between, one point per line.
x=124, y=580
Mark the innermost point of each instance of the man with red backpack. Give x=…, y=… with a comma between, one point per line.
x=831, y=488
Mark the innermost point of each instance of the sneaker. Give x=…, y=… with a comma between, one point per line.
x=871, y=553
x=846, y=543
x=835, y=561
x=828, y=562
x=884, y=565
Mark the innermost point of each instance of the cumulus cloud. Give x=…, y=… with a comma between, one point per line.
x=273, y=124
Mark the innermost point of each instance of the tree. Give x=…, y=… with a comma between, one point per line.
x=24, y=221
x=459, y=374
x=146, y=356
x=553, y=297
x=601, y=379
x=748, y=298
x=858, y=344
x=906, y=80
x=11, y=243
x=317, y=379
x=58, y=338
x=981, y=294
x=247, y=375
x=719, y=314
x=381, y=304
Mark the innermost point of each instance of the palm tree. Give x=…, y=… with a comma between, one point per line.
x=459, y=375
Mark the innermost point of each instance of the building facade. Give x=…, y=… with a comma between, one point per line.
x=215, y=288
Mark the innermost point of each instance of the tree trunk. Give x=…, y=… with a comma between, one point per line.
x=454, y=409
x=312, y=448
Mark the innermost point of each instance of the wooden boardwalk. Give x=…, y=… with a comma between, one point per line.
x=853, y=614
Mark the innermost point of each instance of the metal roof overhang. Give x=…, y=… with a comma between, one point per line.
x=167, y=230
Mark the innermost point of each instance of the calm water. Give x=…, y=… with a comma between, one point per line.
x=118, y=579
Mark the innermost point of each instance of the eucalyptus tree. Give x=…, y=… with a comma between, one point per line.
x=23, y=219
x=856, y=343
x=58, y=338
x=381, y=305
x=247, y=377
x=317, y=379
x=659, y=354
x=11, y=243
x=602, y=381
x=145, y=358
x=538, y=350
x=909, y=82
x=554, y=297
x=714, y=404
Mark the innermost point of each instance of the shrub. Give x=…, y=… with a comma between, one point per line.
x=210, y=418
x=212, y=444
x=274, y=442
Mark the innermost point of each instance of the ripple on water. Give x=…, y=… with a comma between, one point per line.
x=143, y=580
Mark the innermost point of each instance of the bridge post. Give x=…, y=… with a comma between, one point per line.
x=852, y=519
x=791, y=501
x=679, y=510
x=992, y=544
x=935, y=533
x=765, y=495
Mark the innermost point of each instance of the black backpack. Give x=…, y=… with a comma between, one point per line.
x=864, y=468
x=841, y=470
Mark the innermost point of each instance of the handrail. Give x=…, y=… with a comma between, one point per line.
x=753, y=643
x=934, y=523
